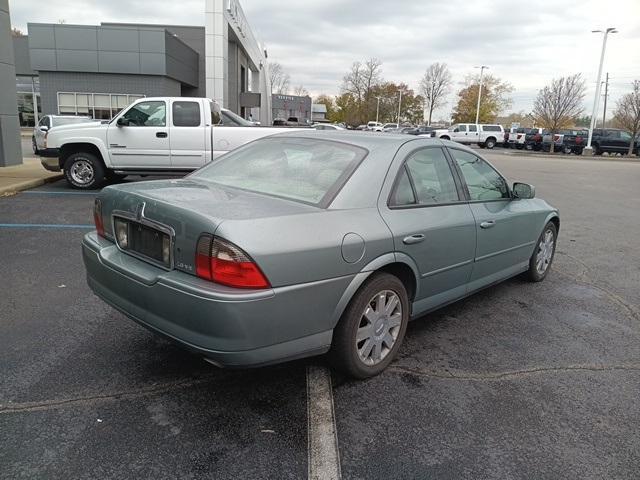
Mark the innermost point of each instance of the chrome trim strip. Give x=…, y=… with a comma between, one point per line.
x=151, y=224
x=450, y=267
x=506, y=250
x=141, y=154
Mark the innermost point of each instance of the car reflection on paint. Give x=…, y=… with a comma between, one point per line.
x=309, y=242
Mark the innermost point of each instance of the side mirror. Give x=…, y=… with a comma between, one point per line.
x=216, y=113
x=44, y=128
x=523, y=190
x=456, y=129
x=122, y=122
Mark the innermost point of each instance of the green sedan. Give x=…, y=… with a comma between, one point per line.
x=309, y=243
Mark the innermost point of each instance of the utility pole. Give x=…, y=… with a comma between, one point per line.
x=588, y=150
x=481, y=67
x=377, y=109
x=399, y=105
x=606, y=94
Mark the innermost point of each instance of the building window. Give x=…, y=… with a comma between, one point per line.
x=28, y=89
x=101, y=106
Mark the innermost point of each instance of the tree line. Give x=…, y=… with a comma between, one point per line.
x=365, y=96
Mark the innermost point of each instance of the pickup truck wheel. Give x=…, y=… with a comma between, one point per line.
x=84, y=170
x=566, y=150
x=34, y=145
x=597, y=150
x=490, y=143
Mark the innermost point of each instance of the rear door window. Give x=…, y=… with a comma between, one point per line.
x=186, y=114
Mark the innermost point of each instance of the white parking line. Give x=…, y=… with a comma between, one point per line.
x=324, y=459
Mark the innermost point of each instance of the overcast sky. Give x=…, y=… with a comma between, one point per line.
x=525, y=43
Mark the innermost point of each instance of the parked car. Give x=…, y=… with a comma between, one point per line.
x=313, y=242
x=373, y=125
x=533, y=139
x=421, y=130
x=47, y=122
x=361, y=127
x=389, y=126
x=613, y=140
x=327, y=126
x=486, y=136
x=160, y=136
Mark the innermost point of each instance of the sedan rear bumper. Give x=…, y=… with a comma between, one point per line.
x=230, y=328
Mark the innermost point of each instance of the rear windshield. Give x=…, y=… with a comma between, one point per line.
x=302, y=169
x=68, y=120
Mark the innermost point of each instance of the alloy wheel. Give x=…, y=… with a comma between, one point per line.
x=545, y=252
x=379, y=327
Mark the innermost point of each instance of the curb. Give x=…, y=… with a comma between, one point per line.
x=27, y=184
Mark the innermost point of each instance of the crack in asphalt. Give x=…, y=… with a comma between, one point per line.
x=511, y=374
x=99, y=398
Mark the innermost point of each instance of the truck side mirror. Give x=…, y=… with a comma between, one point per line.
x=43, y=128
x=122, y=122
x=216, y=112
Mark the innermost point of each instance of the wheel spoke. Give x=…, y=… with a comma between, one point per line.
x=377, y=351
x=388, y=340
x=363, y=333
x=370, y=315
x=365, y=351
x=394, y=320
x=391, y=305
x=381, y=300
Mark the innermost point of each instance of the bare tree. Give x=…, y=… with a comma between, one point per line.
x=300, y=91
x=559, y=104
x=360, y=81
x=16, y=32
x=434, y=86
x=627, y=113
x=279, y=78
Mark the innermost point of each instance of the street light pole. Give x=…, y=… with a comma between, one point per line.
x=399, y=105
x=481, y=67
x=596, y=99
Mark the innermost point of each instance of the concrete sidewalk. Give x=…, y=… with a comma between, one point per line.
x=22, y=177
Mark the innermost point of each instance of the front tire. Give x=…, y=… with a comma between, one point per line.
x=540, y=261
x=84, y=171
x=371, y=329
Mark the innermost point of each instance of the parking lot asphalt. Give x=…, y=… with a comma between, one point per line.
x=518, y=381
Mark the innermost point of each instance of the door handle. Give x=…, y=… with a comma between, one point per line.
x=161, y=134
x=487, y=224
x=416, y=238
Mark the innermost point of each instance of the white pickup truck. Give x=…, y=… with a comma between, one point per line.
x=485, y=135
x=152, y=136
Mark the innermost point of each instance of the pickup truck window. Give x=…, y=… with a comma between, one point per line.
x=491, y=128
x=625, y=136
x=186, y=114
x=147, y=114
x=473, y=128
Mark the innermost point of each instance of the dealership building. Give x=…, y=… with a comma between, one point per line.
x=98, y=70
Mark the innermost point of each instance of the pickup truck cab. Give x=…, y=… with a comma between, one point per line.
x=485, y=135
x=164, y=135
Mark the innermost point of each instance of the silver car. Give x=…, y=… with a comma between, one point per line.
x=311, y=242
x=46, y=123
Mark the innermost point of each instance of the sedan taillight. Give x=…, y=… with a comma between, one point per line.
x=223, y=262
x=97, y=216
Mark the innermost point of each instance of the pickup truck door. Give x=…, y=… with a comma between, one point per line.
x=459, y=134
x=473, y=135
x=188, y=134
x=142, y=139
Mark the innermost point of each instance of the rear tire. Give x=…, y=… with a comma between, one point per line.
x=490, y=143
x=372, y=327
x=84, y=171
x=542, y=257
x=34, y=146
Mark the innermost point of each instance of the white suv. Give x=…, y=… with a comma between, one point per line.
x=47, y=122
x=485, y=135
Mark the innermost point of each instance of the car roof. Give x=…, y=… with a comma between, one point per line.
x=369, y=140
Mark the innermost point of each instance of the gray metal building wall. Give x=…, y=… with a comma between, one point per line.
x=10, y=151
x=150, y=85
